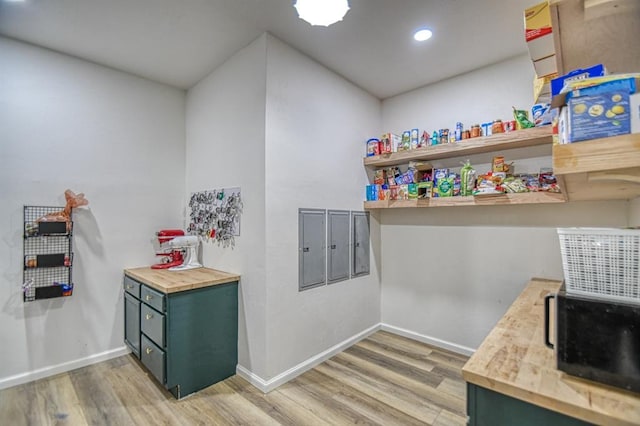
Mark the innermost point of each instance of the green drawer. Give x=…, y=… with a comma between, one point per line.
x=152, y=324
x=153, y=298
x=153, y=358
x=131, y=286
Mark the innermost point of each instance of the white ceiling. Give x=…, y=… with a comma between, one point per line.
x=178, y=42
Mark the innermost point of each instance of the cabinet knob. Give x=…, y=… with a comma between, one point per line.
x=148, y=350
x=129, y=286
x=148, y=297
x=148, y=316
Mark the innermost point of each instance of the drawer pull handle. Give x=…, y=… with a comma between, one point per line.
x=148, y=297
x=148, y=316
x=148, y=350
x=129, y=286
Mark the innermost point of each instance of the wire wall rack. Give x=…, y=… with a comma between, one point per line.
x=47, y=253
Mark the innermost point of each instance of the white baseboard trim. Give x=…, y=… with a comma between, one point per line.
x=453, y=347
x=269, y=385
x=41, y=373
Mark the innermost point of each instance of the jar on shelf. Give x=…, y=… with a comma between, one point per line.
x=476, y=131
x=497, y=127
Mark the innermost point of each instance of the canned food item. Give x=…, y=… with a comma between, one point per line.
x=458, y=134
x=497, y=127
x=476, y=131
x=444, y=135
x=486, y=129
x=373, y=147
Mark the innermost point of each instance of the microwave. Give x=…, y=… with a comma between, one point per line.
x=596, y=339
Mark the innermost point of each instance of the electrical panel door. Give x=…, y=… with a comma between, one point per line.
x=337, y=246
x=360, y=243
x=311, y=248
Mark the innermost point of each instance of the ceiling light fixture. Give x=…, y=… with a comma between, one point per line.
x=322, y=12
x=423, y=34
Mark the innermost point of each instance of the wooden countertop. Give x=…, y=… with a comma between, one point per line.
x=514, y=361
x=174, y=281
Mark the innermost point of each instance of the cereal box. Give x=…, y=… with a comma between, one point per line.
x=599, y=116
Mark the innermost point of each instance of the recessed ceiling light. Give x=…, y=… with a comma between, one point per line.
x=322, y=12
x=423, y=34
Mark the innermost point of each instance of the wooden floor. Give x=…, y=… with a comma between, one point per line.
x=385, y=379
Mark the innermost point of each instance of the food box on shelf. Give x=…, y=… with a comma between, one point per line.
x=596, y=111
x=578, y=74
x=539, y=37
x=599, y=116
x=542, y=88
x=634, y=107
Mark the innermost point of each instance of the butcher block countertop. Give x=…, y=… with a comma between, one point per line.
x=513, y=360
x=175, y=281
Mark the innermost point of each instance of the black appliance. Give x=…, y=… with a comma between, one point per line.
x=596, y=339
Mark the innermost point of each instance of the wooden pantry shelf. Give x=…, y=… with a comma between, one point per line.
x=599, y=169
x=479, y=200
x=503, y=141
x=617, y=152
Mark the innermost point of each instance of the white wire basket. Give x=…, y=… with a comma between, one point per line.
x=601, y=262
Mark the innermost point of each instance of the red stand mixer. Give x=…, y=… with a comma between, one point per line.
x=171, y=257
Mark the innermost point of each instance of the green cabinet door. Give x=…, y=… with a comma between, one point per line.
x=201, y=337
x=488, y=408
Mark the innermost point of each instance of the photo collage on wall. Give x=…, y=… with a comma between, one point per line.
x=214, y=215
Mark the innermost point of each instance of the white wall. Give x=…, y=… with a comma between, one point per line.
x=448, y=274
x=291, y=134
x=67, y=123
x=634, y=212
x=225, y=148
x=316, y=128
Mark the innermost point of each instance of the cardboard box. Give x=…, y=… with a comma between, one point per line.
x=542, y=89
x=599, y=116
x=579, y=74
x=538, y=32
x=546, y=66
x=424, y=189
x=625, y=85
x=563, y=126
x=390, y=143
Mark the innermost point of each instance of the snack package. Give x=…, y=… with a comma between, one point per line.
x=522, y=119
x=541, y=114
x=393, y=192
x=467, y=179
x=412, y=191
x=380, y=176
x=392, y=174
x=406, y=141
x=547, y=180
x=456, y=184
x=445, y=186
x=497, y=164
x=403, y=192
x=438, y=175
x=415, y=138
x=513, y=185
x=424, y=140
x=489, y=184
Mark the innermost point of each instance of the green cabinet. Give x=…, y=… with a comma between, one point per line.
x=488, y=408
x=188, y=340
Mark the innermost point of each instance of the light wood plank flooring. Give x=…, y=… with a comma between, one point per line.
x=383, y=380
